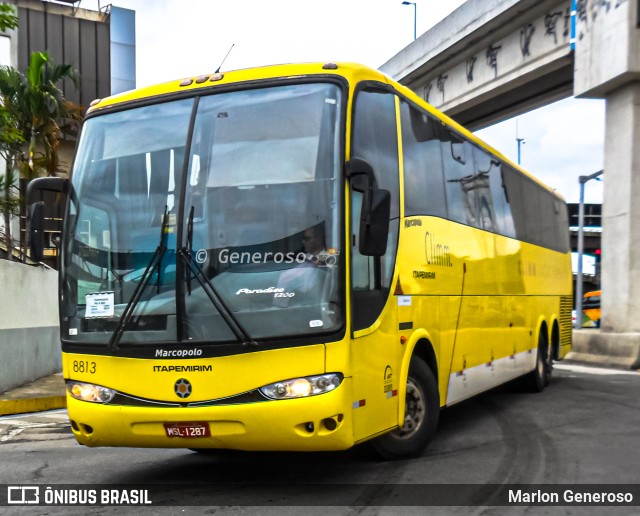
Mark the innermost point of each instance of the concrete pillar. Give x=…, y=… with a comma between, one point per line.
x=621, y=213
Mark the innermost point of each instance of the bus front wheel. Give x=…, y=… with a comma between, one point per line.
x=422, y=409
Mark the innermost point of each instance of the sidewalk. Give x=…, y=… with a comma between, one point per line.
x=44, y=394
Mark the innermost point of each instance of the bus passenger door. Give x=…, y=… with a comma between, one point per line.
x=375, y=347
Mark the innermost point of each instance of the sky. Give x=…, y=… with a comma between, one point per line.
x=186, y=38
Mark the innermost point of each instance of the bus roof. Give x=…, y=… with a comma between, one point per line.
x=352, y=72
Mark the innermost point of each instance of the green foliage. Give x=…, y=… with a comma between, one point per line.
x=8, y=18
x=10, y=136
x=9, y=195
x=33, y=110
x=38, y=106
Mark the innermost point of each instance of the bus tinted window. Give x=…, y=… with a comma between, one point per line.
x=513, y=183
x=563, y=225
x=459, y=172
x=494, y=201
x=375, y=140
x=479, y=191
x=539, y=218
x=423, y=171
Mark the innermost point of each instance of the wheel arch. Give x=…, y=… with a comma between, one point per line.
x=419, y=344
x=554, y=343
x=542, y=328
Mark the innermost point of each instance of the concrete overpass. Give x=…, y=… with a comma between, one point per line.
x=491, y=60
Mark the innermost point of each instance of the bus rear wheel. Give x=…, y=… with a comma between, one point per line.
x=422, y=409
x=540, y=376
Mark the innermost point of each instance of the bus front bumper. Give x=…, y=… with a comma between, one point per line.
x=315, y=423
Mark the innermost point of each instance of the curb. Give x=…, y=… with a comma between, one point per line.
x=616, y=349
x=24, y=405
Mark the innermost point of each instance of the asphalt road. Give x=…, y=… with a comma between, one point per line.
x=583, y=429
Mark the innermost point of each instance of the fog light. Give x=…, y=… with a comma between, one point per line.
x=330, y=424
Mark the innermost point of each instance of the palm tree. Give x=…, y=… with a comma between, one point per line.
x=10, y=138
x=46, y=106
x=8, y=18
x=37, y=105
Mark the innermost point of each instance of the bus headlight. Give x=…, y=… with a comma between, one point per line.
x=302, y=387
x=89, y=392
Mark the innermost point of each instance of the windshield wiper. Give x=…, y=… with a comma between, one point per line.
x=152, y=266
x=209, y=289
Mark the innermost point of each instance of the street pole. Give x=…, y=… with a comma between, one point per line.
x=582, y=180
x=415, y=17
x=415, y=20
x=520, y=142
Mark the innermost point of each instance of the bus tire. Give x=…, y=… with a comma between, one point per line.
x=422, y=410
x=539, y=377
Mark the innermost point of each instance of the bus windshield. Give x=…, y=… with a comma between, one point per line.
x=197, y=212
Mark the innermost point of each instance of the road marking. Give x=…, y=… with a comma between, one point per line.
x=11, y=434
x=59, y=414
x=35, y=426
x=592, y=370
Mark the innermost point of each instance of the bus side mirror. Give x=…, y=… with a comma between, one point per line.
x=36, y=210
x=36, y=230
x=374, y=225
x=375, y=211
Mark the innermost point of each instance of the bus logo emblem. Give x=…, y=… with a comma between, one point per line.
x=182, y=388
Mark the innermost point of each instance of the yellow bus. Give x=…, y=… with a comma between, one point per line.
x=591, y=309
x=297, y=257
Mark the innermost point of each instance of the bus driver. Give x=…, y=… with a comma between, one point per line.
x=305, y=277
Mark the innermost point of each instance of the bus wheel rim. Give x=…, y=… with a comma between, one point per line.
x=540, y=364
x=415, y=410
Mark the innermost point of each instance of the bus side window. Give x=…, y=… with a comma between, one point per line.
x=513, y=188
x=538, y=217
x=504, y=217
x=460, y=183
x=423, y=172
x=375, y=140
x=493, y=203
x=479, y=187
x=562, y=223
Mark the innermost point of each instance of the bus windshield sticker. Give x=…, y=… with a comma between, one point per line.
x=316, y=323
x=99, y=304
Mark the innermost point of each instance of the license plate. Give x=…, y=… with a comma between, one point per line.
x=191, y=429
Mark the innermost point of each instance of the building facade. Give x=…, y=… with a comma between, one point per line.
x=99, y=44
